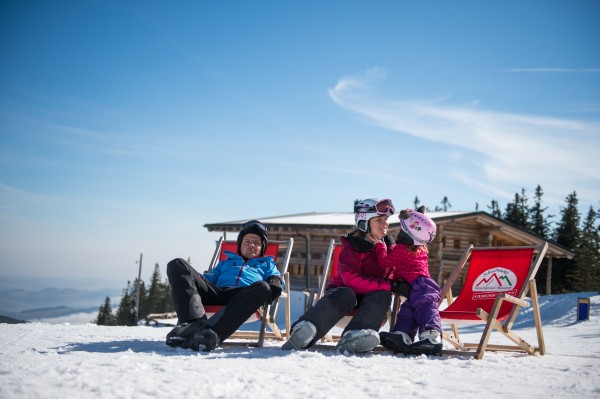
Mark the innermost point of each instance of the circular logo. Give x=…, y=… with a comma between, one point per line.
x=498, y=279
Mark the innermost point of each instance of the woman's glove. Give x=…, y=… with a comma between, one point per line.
x=275, y=285
x=389, y=240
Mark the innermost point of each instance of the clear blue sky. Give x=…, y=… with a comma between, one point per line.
x=126, y=126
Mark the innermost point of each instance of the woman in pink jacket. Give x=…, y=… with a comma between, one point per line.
x=361, y=284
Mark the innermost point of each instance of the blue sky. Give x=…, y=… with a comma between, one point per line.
x=126, y=126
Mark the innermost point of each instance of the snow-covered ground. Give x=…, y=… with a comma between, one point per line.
x=40, y=360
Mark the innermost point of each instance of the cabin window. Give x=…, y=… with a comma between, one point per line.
x=457, y=243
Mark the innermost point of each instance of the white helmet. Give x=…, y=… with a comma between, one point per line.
x=369, y=208
x=418, y=226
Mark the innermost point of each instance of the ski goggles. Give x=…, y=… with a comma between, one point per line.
x=256, y=224
x=385, y=207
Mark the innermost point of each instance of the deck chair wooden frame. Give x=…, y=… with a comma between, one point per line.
x=267, y=313
x=329, y=270
x=497, y=310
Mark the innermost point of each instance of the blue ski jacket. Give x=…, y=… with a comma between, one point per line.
x=233, y=271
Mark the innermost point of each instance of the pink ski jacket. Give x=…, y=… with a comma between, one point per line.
x=405, y=264
x=358, y=268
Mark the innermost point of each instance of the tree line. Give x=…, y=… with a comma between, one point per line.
x=155, y=299
x=582, y=273
x=581, y=236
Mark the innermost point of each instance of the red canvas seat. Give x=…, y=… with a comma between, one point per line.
x=495, y=288
x=231, y=246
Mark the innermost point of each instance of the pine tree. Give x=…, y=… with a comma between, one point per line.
x=586, y=275
x=154, y=298
x=416, y=202
x=567, y=233
x=167, y=304
x=125, y=309
x=495, y=209
x=143, y=305
x=105, y=315
x=445, y=204
x=518, y=212
x=539, y=223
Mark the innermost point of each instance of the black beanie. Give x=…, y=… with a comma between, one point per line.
x=253, y=227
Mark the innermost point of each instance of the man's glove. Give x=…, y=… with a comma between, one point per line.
x=275, y=285
x=400, y=287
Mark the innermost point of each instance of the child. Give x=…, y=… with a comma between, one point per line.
x=409, y=261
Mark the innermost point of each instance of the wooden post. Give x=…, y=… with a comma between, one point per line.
x=137, y=292
x=308, y=261
x=549, y=276
x=440, y=256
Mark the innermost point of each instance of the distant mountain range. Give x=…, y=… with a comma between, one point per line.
x=24, y=304
x=9, y=282
x=10, y=320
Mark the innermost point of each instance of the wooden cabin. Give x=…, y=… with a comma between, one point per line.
x=456, y=230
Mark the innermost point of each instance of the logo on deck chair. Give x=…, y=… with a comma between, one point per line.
x=494, y=281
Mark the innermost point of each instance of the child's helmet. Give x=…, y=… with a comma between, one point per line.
x=418, y=226
x=369, y=208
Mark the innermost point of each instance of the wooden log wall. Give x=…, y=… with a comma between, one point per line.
x=319, y=239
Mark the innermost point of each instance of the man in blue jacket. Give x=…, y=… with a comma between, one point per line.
x=243, y=282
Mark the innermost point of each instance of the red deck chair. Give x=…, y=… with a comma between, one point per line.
x=495, y=289
x=270, y=311
x=329, y=270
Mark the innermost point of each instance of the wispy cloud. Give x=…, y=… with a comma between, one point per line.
x=21, y=210
x=529, y=149
x=354, y=172
x=553, y=70
x=145, y=142
x=108, y=143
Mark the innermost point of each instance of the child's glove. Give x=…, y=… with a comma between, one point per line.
x=401, y=287
x=275, y=285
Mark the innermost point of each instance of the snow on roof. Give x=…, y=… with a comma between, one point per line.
x=326, y=218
